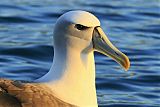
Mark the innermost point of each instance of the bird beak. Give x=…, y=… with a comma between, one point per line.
x=102, y=44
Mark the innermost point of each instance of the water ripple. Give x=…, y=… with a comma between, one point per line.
x=133, y=26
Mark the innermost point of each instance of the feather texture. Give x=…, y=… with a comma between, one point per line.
x=17, y=94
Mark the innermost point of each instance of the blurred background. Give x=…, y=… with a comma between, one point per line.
x=26, y=51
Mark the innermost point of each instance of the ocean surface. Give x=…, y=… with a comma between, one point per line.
x=133, y=26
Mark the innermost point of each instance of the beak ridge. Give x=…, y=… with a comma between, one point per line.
x=102, y=44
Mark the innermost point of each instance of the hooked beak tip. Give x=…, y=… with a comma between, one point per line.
x=127, y=64
x=124, y=62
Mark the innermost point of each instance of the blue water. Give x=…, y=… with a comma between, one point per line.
x=26, y=51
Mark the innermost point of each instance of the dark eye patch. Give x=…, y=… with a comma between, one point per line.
x=80, y=27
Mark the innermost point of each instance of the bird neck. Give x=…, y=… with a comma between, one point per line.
x=72, y=77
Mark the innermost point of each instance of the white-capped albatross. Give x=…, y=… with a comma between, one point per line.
x=70, y=81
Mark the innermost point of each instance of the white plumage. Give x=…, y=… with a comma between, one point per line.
x=71, y=79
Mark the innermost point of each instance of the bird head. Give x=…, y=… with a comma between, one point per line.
x=81, y=30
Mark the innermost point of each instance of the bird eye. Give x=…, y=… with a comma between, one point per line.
x=80, y=27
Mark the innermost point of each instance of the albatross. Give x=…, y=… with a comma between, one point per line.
x=70, y=81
